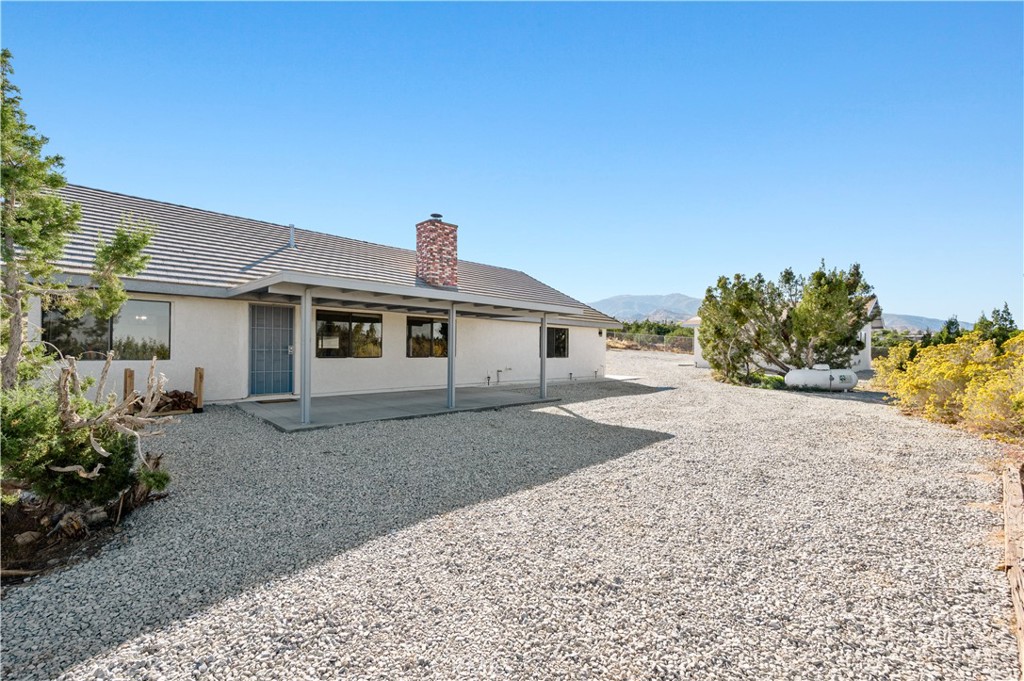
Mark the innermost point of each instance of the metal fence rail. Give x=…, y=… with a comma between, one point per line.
x=642, y=341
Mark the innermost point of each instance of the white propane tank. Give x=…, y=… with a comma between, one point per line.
x=822, y=377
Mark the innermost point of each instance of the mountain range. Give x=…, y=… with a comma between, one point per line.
x=676, y=307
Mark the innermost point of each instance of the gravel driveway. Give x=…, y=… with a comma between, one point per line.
x=670, y=527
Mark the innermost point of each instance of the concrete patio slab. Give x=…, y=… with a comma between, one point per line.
x=408, y=404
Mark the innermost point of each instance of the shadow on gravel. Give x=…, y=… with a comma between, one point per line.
x=250, y=505
x=869, y=396
x=604, y=389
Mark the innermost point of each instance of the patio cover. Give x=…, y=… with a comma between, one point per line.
x=328, y=291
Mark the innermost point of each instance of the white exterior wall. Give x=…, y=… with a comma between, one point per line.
x=862, y=360
x=214, y=334
x=205, y=332
x=698, y=356
x=483, y=346
x=486, y=345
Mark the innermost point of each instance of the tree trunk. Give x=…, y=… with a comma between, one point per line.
x=13, y=301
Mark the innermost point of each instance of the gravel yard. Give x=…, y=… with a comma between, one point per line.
x=670, y=527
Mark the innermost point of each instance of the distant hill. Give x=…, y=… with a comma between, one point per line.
x=909, y=322
x=677, y=307
x=629, y=308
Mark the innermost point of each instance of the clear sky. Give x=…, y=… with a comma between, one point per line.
x=603, y=148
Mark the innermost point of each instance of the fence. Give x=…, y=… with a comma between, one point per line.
x=642, y=341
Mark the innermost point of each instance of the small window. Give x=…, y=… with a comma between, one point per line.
x=141, y=330
x=340, y=334
x=558, y=342
x=426, y=338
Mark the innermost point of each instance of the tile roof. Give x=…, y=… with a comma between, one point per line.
x=202, y=248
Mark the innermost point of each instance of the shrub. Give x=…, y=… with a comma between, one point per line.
x=994, y=402
x=889, y=368
x=935, y=382
x=766, y=381
x=32, y=440
x=966, y=381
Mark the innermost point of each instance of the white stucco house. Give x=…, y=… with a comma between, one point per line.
x=269, y=310
x=862, y=360
x=859, y=362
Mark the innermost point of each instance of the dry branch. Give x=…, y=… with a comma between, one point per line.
x=117, y=416
x=91, y=475
x=102, y=384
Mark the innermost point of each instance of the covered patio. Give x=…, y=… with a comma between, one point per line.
x=309, y=290
x=338, y=410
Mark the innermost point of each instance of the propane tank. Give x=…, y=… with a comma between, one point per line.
x=822, y=377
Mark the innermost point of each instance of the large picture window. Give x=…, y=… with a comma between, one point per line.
x=426, y=338
x=140, y=330
x=341, y=334
x=558, y=342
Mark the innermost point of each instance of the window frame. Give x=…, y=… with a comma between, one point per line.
x=435, y=329
x=351, y=318
x=100, y=355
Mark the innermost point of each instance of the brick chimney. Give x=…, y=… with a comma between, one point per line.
x=437, y=253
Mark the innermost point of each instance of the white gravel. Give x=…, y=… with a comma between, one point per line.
x=695, y=532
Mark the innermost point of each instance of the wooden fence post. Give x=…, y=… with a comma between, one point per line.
x=197, y=389
x=129, y=382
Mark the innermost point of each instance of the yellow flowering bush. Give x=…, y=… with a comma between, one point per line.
x=996, y=405
x=889, y=368
x=969, y=381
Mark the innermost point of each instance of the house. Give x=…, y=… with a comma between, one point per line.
x=862, y=360
x=698, y=356
x=859, y=362
x=271, y=310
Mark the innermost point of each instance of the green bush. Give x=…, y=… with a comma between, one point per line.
x=32, y=440
x=766, y=381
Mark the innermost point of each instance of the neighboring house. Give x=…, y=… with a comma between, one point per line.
x=862, y=360
x=261, y=305
x=698, y=356
x=859, y=362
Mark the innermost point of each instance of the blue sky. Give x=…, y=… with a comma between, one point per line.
x=603, y=148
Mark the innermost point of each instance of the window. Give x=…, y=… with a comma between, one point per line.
x=140, y=330
x=426, y=338
x=340, y=334
x=558, y=342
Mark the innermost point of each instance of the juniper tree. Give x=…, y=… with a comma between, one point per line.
x=776, y=326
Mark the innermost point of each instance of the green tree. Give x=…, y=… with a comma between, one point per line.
x=828, y=319
x=744, y=324
x=889, y=338
x=950, y=331
x=776, y=326
x=999, y=328
x=36, y=226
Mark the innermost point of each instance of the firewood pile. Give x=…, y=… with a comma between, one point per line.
x=171, y=402
x=177, y=400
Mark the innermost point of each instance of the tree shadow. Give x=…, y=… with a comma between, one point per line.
x=867, y=396
x=267, y=504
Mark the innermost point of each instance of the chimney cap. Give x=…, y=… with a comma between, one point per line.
x=436, y=216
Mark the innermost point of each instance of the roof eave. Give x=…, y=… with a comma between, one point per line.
x=444, y=297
